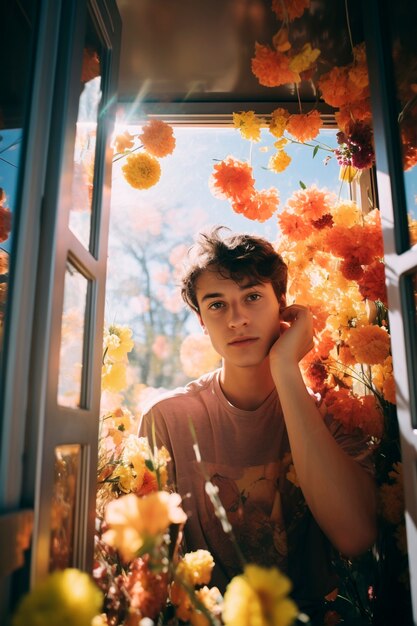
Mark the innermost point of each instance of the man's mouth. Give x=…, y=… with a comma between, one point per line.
x=243, y=341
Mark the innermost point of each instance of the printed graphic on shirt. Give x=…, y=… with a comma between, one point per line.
x=253, y=500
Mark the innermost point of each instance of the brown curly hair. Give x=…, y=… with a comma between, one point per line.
x=237, y=256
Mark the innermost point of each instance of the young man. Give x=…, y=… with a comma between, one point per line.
x=293, y=484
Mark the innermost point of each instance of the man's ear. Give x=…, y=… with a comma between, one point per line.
x=200, y=319
x=282, y=301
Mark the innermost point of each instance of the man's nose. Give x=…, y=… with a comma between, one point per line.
x=237, y=317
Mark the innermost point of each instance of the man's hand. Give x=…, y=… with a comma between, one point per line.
x=296, y=338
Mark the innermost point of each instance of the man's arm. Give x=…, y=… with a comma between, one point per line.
x=339, y=492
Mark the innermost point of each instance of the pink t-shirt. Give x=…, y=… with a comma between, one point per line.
x=246, y=455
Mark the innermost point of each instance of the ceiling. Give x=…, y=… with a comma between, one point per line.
x=194, y=56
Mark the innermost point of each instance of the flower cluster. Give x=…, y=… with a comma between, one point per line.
x=65, y=597
x=233, y=180
x=117, y=344
x=337, y=255
x=142, y=170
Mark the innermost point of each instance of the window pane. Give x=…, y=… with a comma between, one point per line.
x=401, y=22
x=72, y=338
x=411, y=327
x=63, y=506
x=17, y=29
x=85, y=138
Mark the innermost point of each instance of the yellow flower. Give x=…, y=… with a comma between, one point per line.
x=304, y=59
x=348, y=173
x=196, y=567
x=346, y=213
x=259, y=598
x=281, y=143
x=113, y=377
x=67, y=597
x=141, y=170
x=249, y=124
x=212, y=600
x=279, y=161
x=383, y=379
x=279, y=119
x=133, y=520
x=126, y=476
x=117, y=342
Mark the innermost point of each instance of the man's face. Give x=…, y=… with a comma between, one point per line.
x=242, y=319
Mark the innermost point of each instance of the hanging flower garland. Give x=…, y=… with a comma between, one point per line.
x=142, y=170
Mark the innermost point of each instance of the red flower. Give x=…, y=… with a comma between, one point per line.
x=372, y=283
x=351, y=268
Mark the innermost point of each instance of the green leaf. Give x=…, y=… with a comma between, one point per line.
x=149, y=465
x=316, y=149
x=302, y=185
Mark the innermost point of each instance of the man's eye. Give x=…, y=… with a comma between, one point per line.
x=252, y=297
x=216, y=305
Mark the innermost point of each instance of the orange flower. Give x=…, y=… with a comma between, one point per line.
x=337, y=89
x=372, y=283
x=372, y=419
x=260, y=206
x=294, y=226
x=123, y=142
x=4, y=262
x=304, y=127
x=359, y=111
x=358, y=72
x=5, y=222
x=343, y=406
x=232, y=179
x=369, y=344
x=359, y=242
x=311, y=203
x=158, y=138
x=272, y=68
x=289, y=9
x=355, y=412
x=279, y=118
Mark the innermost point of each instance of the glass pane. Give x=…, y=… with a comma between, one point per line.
x=66, y=472
x=401, y=21
x=72, y=338
x=17, y=35
x=411, y=285
x=85, y=138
